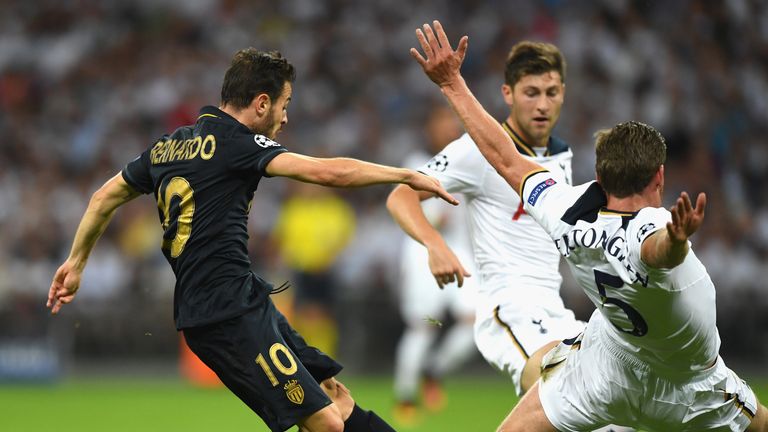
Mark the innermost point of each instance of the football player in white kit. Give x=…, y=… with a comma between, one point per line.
x=423, y=306
x=519, y=309
x=648, y=356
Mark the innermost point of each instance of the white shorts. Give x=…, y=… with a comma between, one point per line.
x=421, y=298
x=588, y=383
x=509, y=334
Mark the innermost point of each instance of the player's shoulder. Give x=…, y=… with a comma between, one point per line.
x=647, y=221
x=464, y=146
x=182, y=132
x=588, y=199
x=460, y=154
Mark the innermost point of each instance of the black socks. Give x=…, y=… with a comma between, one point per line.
x=365, y=421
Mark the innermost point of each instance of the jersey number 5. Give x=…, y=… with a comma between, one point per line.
x=179, y=187
x=602, y=280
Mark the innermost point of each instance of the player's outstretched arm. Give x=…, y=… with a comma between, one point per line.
x=668, y=248
x=442, y=65
x=347, y=172
x=114, y=193
x=404, y=204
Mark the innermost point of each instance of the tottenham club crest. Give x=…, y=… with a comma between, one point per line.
x=294, y=392
x=438, y=163
x=265, y=142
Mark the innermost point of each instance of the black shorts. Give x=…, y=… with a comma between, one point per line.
x=266, y=363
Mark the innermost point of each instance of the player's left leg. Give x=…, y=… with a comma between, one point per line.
x=760, y=421
x=528, y=415
x=355, y=418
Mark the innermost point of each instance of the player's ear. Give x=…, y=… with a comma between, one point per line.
x=262, y=103
x=506, y=92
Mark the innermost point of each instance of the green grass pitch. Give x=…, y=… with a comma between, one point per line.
x=474, y=404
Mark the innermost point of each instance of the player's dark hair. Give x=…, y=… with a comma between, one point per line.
x=253, y=72
x=533, y=58
x=627, y=157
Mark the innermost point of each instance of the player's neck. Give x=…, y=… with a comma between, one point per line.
x=530, y=142
x=241, y=115
x=634, y=203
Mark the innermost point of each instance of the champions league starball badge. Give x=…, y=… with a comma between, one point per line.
x=438, y=163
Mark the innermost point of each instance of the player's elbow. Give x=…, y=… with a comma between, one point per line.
x=99, y=202
x=395, y=198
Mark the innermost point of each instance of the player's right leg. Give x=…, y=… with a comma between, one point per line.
x=760, y=421
x=532, y=368
x=513, y=339
x=323, y=369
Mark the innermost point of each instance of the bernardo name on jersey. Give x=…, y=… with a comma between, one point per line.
x=170, y=150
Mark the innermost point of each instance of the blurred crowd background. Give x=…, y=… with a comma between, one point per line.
x=87, y=85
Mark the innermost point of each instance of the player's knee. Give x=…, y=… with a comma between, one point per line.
x=344, y=400
x=327, y=419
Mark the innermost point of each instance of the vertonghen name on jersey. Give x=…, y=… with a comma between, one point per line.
x=615, y=247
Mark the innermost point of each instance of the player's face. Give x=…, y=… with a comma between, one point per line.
x=278, y=115
x=535, y=103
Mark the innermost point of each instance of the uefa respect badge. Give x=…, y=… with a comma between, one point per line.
x=539, y=188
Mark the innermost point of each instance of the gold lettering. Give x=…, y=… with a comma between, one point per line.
x=166, y=152
x=194, y=147
x=155, y=151
x=208, y=147
x=178, y=154
x=172, y=150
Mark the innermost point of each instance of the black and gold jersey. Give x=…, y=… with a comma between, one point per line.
x=203, y=177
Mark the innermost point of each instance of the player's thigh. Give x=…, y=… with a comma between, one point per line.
x=720, y=401
x=528, y=415
x=254, y=361
x=508, y=336
x=760, y=421
x=319, y=364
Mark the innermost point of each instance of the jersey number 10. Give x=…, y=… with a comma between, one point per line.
x=177, y=187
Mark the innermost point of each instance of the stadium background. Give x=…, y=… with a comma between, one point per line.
x=85, y=86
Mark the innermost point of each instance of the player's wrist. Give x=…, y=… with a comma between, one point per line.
x=453, y=84
x=433, y=242
x=408, y=176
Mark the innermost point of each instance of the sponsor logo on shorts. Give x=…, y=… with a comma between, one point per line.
x=538, y=189
x=294, y=392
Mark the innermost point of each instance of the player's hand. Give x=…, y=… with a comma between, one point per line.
x=442, y=63
x=65, y=284
x=421, y=182
x=686, y=219
x=445, y=265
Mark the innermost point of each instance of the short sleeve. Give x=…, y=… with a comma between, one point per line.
x=252, y=153
x=136, y=174
x=646, y=222
x=546, y=200
x=459, y=166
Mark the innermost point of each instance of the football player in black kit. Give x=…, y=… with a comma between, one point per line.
x=203, y=177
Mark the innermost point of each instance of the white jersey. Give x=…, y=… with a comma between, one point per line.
x=515, y=258
x=448, y=219
x=665, y=318
x=421, y=296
